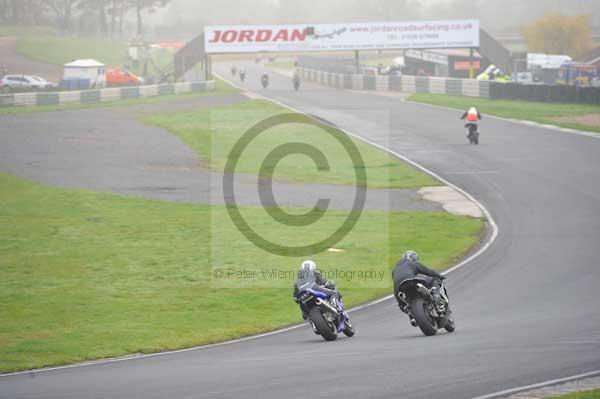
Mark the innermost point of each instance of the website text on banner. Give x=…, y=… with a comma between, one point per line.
x=354, y=36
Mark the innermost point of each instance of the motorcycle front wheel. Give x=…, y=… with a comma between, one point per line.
x=450, y=326
x=349, y=330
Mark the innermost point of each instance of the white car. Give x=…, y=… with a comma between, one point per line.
x=13, y=83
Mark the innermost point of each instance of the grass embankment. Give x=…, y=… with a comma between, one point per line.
x=593, y=394
x=42, y=43
x=22, y=31
x=546, y=113
x=213, y=132
x=60, y=50
x=87, y=275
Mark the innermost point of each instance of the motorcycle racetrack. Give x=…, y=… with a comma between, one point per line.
x=526, y=308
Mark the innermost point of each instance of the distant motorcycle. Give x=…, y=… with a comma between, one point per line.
x=326, y=316
x=264, y=80
x=429, y=318
x=296, y=82
x=473, y=134
x=242, y=76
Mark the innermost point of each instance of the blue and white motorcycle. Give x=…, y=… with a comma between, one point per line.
x=326, y=314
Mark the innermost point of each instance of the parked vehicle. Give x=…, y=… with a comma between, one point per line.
x=429, y=317
x=43, y=83
x=122, y=77
x=326, y=315
x=15, y=83
x=577, y=74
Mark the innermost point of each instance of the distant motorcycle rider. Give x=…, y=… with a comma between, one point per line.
x=409, y=267
x=309, y=275
x=296, y=80
x=264, y=79
x=472, y=116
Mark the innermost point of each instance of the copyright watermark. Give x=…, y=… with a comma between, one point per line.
x=265, y=186
x=251, y=276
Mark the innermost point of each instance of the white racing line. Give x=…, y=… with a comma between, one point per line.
x=501, y=394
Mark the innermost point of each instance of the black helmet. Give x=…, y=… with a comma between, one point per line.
x=411, y=256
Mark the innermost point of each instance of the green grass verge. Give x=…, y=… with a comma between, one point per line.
x=593, y=394
x=26, y=31
x=220, y=88
x=88, y=275
x=526, y=110
x=60, y=50
x=212, y=133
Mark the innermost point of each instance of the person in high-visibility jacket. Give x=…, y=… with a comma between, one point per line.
x=472, y=116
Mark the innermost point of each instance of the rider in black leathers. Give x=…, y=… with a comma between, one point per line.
x=408, y=267
x=307, y=275
x=264, y=80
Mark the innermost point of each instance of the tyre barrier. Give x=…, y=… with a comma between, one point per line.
x=457, y=87
x=102, y=95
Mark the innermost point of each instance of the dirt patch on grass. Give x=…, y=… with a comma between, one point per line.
x=17, y=64
x=587, y=120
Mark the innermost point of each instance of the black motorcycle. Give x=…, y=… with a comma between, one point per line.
x=242, y=76
x=418, y=295
x=264, y=80
x=326, y=314
x=473, y=134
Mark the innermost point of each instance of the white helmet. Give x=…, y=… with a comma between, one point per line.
x=308, y=266
x=411, y=256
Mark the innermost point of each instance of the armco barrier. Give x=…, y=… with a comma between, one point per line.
x=92, y=96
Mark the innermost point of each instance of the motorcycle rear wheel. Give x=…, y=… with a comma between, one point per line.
x=424, y=321
x=327, y=331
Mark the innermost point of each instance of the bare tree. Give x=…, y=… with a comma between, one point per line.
x=63, y=9
x=145, y=5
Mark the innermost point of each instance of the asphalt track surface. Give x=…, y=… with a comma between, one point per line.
x=110, y=149
x=526, y=309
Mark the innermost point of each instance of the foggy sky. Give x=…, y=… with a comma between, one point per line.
x=188, y=17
